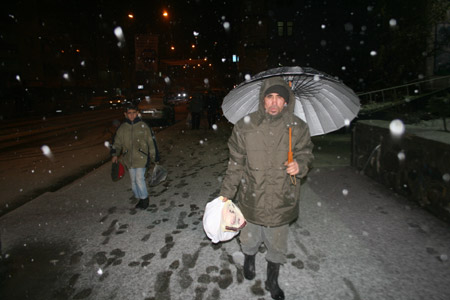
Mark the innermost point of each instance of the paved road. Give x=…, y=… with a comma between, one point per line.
x=354, y=238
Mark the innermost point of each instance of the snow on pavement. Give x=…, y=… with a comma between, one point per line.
x=86, y=241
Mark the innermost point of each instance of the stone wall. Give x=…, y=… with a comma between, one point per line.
x=415, y=165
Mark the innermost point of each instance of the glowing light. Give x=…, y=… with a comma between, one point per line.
x=397, y=127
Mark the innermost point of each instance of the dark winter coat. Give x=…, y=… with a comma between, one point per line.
x=256, y=176
x=135, y=142
x=197, y=104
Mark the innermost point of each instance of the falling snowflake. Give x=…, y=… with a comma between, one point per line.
x=401, y=156
x=46, y=150
x=373, y=53
x=226, y=26
x=347, y=122
x=201, y=142
x=393, y=22
x=323, y=26
x=214, y=126
x=397, y=127
x=66, y=76
x=18, y=78
x=247, y=77
x=345, y=192
x=99, y=271
x=446, y=177
x=118, y=32
x=247, y=119
x=348, y=27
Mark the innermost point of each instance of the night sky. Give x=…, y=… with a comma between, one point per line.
x=362, y=42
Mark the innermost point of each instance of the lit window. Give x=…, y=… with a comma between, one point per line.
x=280, y=28
x=289, y=27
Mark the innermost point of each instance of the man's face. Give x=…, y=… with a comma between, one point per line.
x=274, y=103
x=131, y=114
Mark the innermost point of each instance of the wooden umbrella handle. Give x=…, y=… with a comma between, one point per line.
x=290, y=153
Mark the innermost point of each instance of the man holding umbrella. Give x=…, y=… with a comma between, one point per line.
x=262, y=179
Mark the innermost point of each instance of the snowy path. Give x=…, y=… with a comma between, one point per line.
x=354, y=239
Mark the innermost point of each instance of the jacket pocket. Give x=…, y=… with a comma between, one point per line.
x=143, y=152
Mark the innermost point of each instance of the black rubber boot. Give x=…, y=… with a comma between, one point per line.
x=249, y=267
x=273, y=269
x=143, y=203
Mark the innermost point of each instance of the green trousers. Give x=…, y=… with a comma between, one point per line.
x=274, y=238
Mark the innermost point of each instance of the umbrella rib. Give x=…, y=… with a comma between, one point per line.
x=304, y=86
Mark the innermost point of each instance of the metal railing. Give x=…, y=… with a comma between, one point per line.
x=402, y=92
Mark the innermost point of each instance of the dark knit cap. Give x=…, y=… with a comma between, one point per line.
x=280, y=90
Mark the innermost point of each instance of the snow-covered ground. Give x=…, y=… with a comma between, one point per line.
x=354, y=238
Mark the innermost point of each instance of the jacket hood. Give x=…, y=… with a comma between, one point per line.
x=269, y=82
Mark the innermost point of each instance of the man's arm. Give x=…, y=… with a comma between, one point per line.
x=236, y=164
x=151, y=143
x=116, y=147
x=303, y=151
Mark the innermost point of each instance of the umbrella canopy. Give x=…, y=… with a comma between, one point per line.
x=323, y=102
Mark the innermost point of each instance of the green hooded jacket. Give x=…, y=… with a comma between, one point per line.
x=256, y=177
x=134, y=141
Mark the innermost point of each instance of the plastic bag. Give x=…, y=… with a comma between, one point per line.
x=159, y=175
x=222, y=221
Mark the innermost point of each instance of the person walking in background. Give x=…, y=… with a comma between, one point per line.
x=212, y=106
x=196, y=107
x=263, y=181
x=134, y=141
